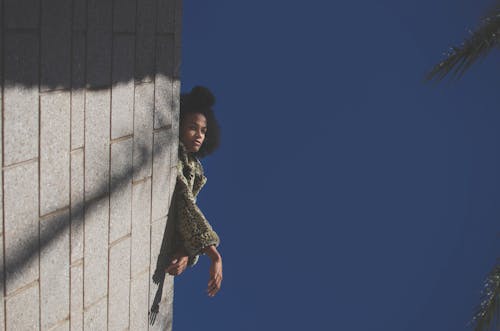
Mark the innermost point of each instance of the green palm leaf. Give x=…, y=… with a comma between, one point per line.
x=479, y=44
x=487, y=316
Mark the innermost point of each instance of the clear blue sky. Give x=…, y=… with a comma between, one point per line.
x=348, y=193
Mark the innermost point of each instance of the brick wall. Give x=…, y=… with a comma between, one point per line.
x=89, y=101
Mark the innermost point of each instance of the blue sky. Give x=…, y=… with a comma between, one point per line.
x=348, y=193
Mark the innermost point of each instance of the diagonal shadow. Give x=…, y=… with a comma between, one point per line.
x=16, y=260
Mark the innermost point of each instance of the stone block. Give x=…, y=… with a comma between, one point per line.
x=22, y=14
x=96, y=252
x=146, y=16
x=139, y=305
x=77, y=206
x=97, y=109
x=76, y=314
x=2, y=307
x=77, y=91
x=165, y=19
x=121, y=189
x=164, y=81
x=122, y=106
x=119, y=285
x=178, y=16
x=56, y=14
x=100, y=15
x=165, y=316
x=141, y=220
x=124, y=16
x=54, y=151
x=22, y=310
x=176, y=108
x=157, y=232
x=143, y=130
x=79, y=15
x=144, y=57
x=77, y=118
x=2, y=315
x=21, y=225
x=1, y=55
x=99, y=45
x=56, y=45
x=96, y=194
x=178, y=39
x=78, y=51
x=163, y=174
x=95, y=317
x=176, y=72
x=168, y=302
x=54, y=270
x=20, y=97
x=145, y=43
x=1, y=40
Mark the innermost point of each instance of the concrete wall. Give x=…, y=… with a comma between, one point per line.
x=89, y=103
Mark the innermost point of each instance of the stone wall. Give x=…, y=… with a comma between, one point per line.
x=89, y=103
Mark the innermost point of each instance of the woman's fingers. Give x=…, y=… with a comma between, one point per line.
x=174, y=265
x=213, y=290
x=177, y=266
x=215, y=277
x=214, y=285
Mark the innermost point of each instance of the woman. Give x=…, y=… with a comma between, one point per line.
x=198, y=137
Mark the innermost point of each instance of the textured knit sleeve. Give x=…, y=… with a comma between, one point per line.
x=192, y=226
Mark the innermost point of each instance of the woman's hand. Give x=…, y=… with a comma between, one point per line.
x=215, y=271
x=178, y=265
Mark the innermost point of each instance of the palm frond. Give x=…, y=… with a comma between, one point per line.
x=487, y=315
x=479, y=44
x=492, y=10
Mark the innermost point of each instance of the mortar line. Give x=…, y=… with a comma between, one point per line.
x=77, y=263
x=163, y=128
x=54, y=213
x=40, y=40
x=2, y=75
x=71, y=58
x=112, y=55
x=119, y=240
x=21, y=163
x=152, y=149
x=120, y=139
x=84, y=197
x=21, y=289
x=77, y=149
x=140, y=181
x=133, y=189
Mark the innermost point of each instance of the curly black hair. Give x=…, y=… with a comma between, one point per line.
x=201, y=100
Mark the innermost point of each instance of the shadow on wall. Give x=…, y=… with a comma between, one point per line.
x=17, y=260
x=89, y=45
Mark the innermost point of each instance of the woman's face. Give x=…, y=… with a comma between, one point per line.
x=193, y=131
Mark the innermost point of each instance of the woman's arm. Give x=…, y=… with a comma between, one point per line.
x=215, y=271
x=196, y=233
x=192, y=225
